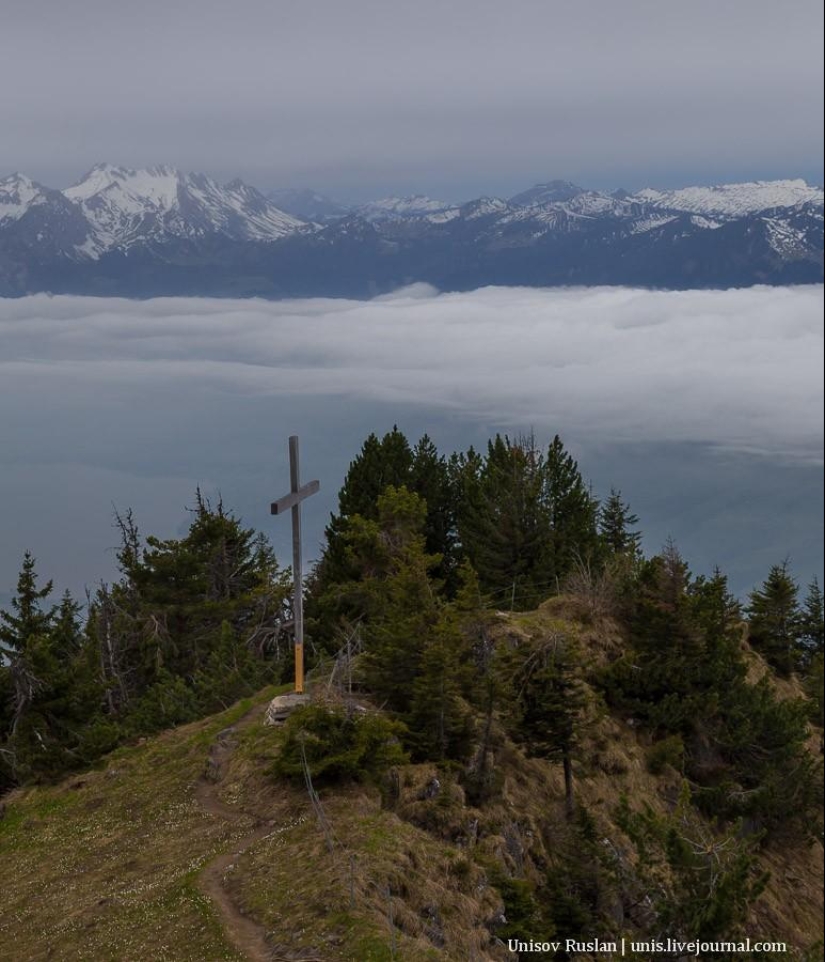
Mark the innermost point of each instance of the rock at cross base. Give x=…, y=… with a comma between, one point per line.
x=282, y=706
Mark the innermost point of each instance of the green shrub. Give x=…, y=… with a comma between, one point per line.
x=667, y=751
x=338, y=745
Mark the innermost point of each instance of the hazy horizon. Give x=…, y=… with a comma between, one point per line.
x=368, y=98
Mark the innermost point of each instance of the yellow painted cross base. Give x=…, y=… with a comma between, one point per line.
x=299, y=669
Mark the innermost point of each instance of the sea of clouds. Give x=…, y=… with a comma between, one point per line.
x=741, y=368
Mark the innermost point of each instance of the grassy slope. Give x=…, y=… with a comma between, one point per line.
x=105, y=865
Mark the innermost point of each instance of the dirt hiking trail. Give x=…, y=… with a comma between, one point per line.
x=247, y=936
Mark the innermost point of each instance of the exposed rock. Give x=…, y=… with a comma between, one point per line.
x=431, y=789
x=281, y=707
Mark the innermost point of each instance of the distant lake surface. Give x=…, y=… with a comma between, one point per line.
x=704, y=408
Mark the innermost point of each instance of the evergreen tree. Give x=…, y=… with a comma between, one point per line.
x=524, y=519
x=775, y=619
x=383, y=463
x=770, y=777
x=712, y=876
x=718, y=616
x=23, y=634
x=7, y=775
x=431, y=480
x=398, y=599
x=380, y=463
x=439, y=724
x=192, y=625
x=815, y=689
x=551, y=702
x=504, y=532
x=413, y=647
x=28, y=617
x=486, y=686
x=812, y=626
x=686, y=678
x=572, y=511
x=659, y=680
x=45, y=682
x=66, y=632
x=164, y=620
x=616, y=530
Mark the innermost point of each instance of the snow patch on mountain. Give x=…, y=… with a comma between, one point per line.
x=484, y=207
x=705, y=222
x=17, y=194
x=783, y=238
x=733, y=200
x=417, y=205
x=645, y=224
x=126, y=206
x=443, y=216
x=133, y=190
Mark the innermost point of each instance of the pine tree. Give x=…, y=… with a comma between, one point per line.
x=572, y=511
x=380, y=463
x=712, y=876
x=430, y=479
x=815, y=690
x=812, y=626
x=659, y=680
x=164, y=619
x=775, y=619
x=718, y=616
x=49, y=698
x=551, y=702
x=504, y=531
x=66, y=634
x=616, y=531
x=524, y=519
x=23, y=632
x=28, y=618
x=399, y=602
x=438, y=723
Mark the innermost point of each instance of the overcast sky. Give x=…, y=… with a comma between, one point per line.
x=704, y=407
x=365, y=97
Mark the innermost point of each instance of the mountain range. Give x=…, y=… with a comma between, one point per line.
x=161, y=231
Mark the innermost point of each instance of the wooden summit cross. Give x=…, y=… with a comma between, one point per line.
x=293, y=500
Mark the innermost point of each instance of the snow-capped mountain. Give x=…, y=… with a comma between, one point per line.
x=125, y=207
x=40, y=219
x=733, y=200
x=17, y=194
x=162, y=231
x=573, y=212
x=390, y=208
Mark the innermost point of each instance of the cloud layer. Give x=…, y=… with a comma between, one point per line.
x=738, y=369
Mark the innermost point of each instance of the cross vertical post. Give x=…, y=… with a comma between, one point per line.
x=293, y=500
x=297, y=566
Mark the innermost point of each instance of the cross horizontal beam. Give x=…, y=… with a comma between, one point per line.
x=294, y=498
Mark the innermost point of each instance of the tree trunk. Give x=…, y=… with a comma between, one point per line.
x=569, y=802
